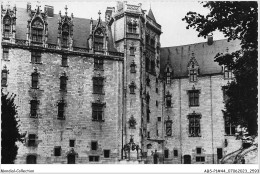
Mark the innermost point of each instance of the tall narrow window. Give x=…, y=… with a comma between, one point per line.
x=36, y=57
x=4, y=77
x=35, y=79
x=147, y=39
x=193, y=75
x=63, y=82
x=37, y=30
x=65, y=35
x=147, y=64
x=148, y=81
x=228, y=73
x=34, y=108
x=132, y=27
x=106, y=153
x=194, y=98
x=168, y=98
x=132, y=67
x=98, y=85
x=64, y=60
x=94, y=145
x=98, y=64
x=61, y=109
x=153, y=66
x=153, y=42
x=175, y=153
x=230, y=128
x=166, y=153
x=148, y=115
x=5, y=53
x=97, y=112
x=194, y=125
x=147, y=98
x=132, y=51
x=168, y=76
x=57, y=151
x=98, y=40
x=168, y=127
x=31, y=140
x=225, y=97
x=7, y=26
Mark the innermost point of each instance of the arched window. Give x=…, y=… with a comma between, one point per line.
x=7, y=26
x=37, y=30
x=65, y=35
x=98, y=40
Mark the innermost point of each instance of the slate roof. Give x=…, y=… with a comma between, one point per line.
x=81, y=29
x=180, y=56
x=150, y=14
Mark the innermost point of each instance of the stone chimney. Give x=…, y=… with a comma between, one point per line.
x=210, y=39
x=28, y=7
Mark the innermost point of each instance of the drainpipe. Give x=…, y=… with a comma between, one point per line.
x=180, y=118
x=211, y=112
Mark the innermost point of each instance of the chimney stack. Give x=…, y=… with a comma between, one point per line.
x=210, y=39
x=28, y=7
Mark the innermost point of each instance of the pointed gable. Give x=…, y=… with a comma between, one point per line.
x=150, y=14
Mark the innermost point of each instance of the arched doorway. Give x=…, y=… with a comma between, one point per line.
x=31, y=159
x=71, y=159
x=187, y=159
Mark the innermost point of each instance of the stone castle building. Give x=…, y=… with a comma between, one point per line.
x=93, y=91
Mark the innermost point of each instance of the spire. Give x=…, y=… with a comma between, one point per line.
x=66, y=8
x=150, y=14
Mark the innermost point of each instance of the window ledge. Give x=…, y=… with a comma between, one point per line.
x=6, y=60
x=97, y=69
x=59, y=118
x=98, y=93
x=35, y=88
x=40, y=63
x=98, y=120
x=62, y=90
x=66, y=66
x=194, y=136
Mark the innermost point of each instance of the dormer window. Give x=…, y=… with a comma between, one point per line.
x=228, y=73
x=7, y=26
x=65, y=35
x=37, y=30
x=193, y=75
x=193, y=69
x=98, y=40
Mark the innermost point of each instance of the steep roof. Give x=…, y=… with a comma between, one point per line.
x=81, y=29
x=150, y=14
x=204, y=54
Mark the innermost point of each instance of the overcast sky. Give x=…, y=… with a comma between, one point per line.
x=168, y=13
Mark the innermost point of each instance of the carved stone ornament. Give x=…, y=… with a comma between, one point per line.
x=132, y=122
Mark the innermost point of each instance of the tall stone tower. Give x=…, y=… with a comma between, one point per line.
x=138, y=36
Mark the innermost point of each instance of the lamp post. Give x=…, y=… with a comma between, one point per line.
x=131, y=146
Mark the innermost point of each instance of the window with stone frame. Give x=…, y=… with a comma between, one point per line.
x=166, y=153
x=230, y=128
x=132, y=27
x=35, y=79
x=148, y=135
x=225, y=97
x=147, y=64
x=93, y=158
x=200, y=158
x=98, y=85
x=64, y=60
x=6, y=27
x=4, y=77
x=132, y=67
x=65, y=35
x=194, y=125
x=34, y=108
x=193, y=97
x=98, y=64
x=61, y=110
x=153, y=42
x=148, y=115
x=193, y=75
x=153, y=66
x=168, y=127
x=132, y=51
x=63, y=82
x=94, y=145
x=106, y=153
x=36, y=56
x=132, y=88
x=57, y=151
x=5, y=53
x=147, y=39
x=175, y=153
x=168, y=100
x=228, y=74
x=98, y=40
x=147, y=98
x=32, y=140
x=98, y=112
x=37, y=30
x=72, y=143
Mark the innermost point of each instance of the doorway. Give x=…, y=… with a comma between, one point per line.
x=187, y=159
